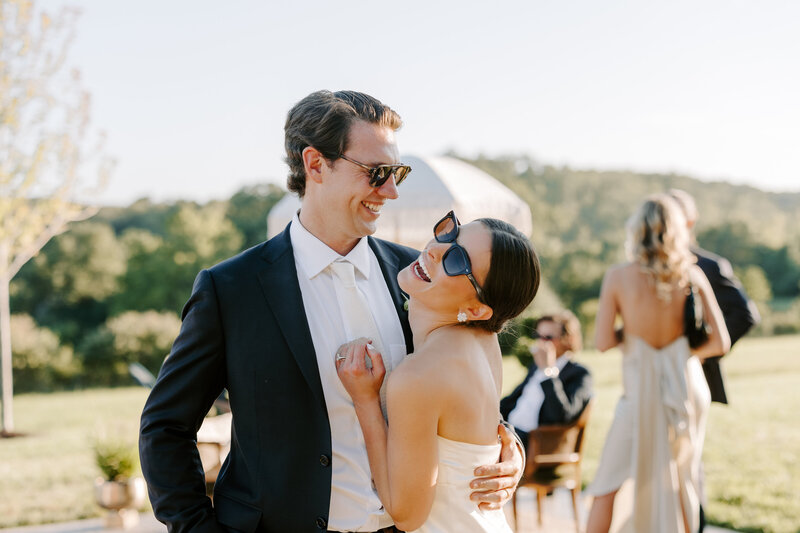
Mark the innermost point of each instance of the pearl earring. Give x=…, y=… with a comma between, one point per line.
x=462, y=316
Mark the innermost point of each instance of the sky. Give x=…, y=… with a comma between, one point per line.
x=193, y=95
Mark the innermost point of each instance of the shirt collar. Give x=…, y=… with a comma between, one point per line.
x=561, y=362
x=314, y=256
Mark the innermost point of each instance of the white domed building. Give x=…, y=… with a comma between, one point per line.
x=435, y=186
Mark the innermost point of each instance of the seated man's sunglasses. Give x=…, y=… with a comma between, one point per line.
x=455, y=260
x=378, y=175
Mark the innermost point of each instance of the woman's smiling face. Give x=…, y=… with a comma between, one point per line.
x=426, y=280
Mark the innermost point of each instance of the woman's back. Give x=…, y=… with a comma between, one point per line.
x=656, y=320
x=656, y=437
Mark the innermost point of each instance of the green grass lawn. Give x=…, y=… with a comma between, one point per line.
x=48, y=475
x=752, y=450
x=752, y=453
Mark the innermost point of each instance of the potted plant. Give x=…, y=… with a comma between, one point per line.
x=119, y=490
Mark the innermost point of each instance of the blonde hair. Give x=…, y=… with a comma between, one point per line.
x=658, y=241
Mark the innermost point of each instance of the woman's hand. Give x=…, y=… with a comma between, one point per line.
x=361, y=382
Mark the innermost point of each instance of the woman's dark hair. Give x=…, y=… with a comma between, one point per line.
x=514, y=275
x=323, y=120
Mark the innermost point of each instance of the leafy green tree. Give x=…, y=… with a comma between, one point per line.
x=67, y=286
x=47, y=158
x=148, y=260
x=145, y=338
x=248, y=210
x=782, y=268
x=41, y=362
x=756, y=284
x=161, y=271
x=197, y=238
x=141, y=214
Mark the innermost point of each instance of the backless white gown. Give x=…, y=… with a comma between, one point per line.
x=656, y=438
x=452, y=509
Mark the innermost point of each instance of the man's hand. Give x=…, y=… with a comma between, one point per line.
x=544, y=354
x=495, y=484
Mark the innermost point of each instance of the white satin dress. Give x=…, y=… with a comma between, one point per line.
x=452, y=509
x=656, y=438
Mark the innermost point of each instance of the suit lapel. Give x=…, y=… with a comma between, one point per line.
x=390, y=266
x=281, y=289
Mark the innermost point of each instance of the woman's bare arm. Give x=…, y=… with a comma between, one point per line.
x=605, y=337
x=719, y=341
x=403, y=456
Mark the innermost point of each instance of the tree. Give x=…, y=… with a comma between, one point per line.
x=144, y=338
x=248, y=210
x=49, y=162
x=41, y=361
x=196, y=237
x=67, y=287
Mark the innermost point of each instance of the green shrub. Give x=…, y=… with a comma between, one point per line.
x=40, y=362
x=780, y=317
x=142, y=337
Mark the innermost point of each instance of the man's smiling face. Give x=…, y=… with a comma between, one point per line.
x=354, y=204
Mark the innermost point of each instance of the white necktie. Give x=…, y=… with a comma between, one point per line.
x=356, y=315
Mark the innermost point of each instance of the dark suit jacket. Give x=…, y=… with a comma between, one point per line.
x=739, y=312
x=245, y=330
x=565, y=396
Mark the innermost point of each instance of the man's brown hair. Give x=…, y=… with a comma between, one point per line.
x=322, y=120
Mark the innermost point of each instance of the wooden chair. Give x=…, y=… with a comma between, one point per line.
x=554, y=460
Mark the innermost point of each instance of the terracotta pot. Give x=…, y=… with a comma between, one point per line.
x=115, y=495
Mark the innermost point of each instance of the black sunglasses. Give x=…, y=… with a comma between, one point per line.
x=536, y=335
x=378, y=175
x=455, y=260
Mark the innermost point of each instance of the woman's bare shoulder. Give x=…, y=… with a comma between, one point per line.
x=620, y=271
x=425, y=364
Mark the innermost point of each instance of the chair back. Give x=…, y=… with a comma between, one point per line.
x=557, y=444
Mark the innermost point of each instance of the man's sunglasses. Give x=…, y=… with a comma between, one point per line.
x=378, y=175
x=455, y=260
x=537, y=335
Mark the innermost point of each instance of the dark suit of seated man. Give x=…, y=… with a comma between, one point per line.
x=556, y=389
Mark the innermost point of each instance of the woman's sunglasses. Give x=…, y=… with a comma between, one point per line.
x=378, y=175
x=455, y=260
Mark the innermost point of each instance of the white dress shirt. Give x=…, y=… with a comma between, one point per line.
x=525, y=415
x=355, y=505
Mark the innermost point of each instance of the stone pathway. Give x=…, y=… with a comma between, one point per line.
x=558, y=515
x=557, y=518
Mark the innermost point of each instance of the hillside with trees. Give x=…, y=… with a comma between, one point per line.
x=579, y=229
x=109, y=291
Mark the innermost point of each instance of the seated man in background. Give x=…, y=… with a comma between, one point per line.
x=556, y=389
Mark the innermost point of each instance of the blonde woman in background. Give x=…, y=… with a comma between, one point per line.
x=656, y=438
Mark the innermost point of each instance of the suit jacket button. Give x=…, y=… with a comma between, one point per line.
x=324, y=460
x=322, y=523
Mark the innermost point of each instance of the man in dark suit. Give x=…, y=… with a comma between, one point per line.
x=739, y=312
x=556, y=389
x=265, y=325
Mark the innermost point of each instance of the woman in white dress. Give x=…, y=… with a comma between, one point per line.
x=443, y=400
x=656, y=438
